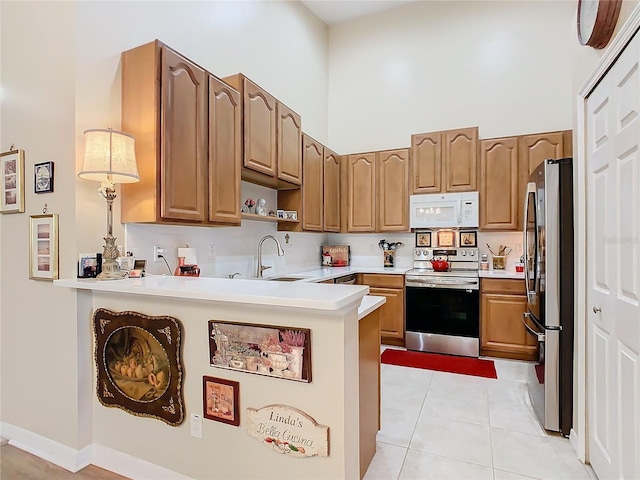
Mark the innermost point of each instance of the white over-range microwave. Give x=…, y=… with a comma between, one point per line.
x=444, y=210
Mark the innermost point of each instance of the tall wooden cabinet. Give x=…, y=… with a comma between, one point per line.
x=502, y=332
x=168, y=107
x=444, y=161
x=318, y=201
x=499, y=184
x=376, y=191
x=272, y=137
x=360, y=196
x=331, y=204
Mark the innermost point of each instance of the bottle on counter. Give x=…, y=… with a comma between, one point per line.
x=484, y=262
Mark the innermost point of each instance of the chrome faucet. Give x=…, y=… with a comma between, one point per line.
x=261, y=268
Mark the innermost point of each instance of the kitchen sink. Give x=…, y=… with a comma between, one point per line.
x=285, y=279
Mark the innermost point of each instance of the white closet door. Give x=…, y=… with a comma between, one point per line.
x=613, y=269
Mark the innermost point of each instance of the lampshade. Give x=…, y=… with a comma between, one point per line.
x=189, y=255
x=109, y=155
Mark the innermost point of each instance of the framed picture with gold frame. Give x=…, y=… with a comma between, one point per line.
x=446, y=238
x=12, y=181
x=43, y=247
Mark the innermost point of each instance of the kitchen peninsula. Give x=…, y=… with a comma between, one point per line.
x=344, y=332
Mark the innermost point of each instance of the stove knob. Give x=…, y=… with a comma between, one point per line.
x=472, y=253
x=463, y=253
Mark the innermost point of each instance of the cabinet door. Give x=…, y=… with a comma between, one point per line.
x=361, y=193
x=312, y=161
x=184, y=139
x=259, y=129
x=502, y=331
x=225, y=152
x=459, y=160
x=331, y=191
x=499, y=183
x=392, y=193
x=289, y=145
x=426, y=162
x=537, y=148
x=392, y=312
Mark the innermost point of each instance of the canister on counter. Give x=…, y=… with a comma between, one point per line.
x=484, y=262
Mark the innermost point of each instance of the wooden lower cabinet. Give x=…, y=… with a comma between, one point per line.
x=392, y=312
x=502, y=333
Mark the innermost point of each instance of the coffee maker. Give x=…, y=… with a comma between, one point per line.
x=187, y=263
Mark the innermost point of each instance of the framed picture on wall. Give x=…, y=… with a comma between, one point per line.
x=12, y=182
x=423, y=239
x=221, y=400
x=43, y=177
x=468, y=239
x=43, y=247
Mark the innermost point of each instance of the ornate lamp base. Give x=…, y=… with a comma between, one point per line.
x=110, y=268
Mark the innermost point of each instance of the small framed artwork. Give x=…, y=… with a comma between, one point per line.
x=87, y=265
x=43, y=177
x=446, y=238
x=281, y=214
x=423, y=239
x=43, y=247
x=291, y=215
x=468, y=239
x=12, y=182
x=221, y=400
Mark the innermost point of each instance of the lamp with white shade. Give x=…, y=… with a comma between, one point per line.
x=109, y=158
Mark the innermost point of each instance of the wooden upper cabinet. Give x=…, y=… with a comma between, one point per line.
x=426, y=162
x=260, y=121
x=225, y=152
x=361, y=192
x=537, y=148
x=186, y=123
x=312, y=186
x=184, y=138
x=289, y=159
x=499, y=184
x=392, y=191
x=459, y=158
x=331, y=204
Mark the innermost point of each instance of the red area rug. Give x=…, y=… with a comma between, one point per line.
x=442, y=363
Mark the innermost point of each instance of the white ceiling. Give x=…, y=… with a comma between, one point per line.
x=332, y=12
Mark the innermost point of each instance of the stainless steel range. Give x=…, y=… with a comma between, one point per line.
x=443, y=308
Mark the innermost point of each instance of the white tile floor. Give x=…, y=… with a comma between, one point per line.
x=446, y=426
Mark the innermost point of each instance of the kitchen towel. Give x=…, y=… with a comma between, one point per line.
x=442, y=363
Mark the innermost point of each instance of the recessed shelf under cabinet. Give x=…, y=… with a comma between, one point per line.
x=266, y=218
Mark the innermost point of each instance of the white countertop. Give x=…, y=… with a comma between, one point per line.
x=512, y=274
x=327, y=273
x=369, y=304
x=282, y=294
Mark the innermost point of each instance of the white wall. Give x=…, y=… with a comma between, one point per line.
x=426, y=66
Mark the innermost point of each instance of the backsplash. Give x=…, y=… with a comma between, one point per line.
x=495, y=239
x=366, y=253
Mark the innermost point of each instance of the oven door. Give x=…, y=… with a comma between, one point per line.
x=443, y=320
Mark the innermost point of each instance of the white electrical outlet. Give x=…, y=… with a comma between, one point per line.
x=157, y=250
x=212, y=252
x=196, y=425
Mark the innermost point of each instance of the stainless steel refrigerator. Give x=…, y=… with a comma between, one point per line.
x=548, y=241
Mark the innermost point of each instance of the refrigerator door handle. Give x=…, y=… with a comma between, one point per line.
x=531, y=189
x=540, y=337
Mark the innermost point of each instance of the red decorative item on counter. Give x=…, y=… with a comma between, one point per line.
x=440, y=265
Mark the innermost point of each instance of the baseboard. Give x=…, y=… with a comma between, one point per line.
x=576, y=443
x=132, y=467
x=45, y=448
x=75, y=460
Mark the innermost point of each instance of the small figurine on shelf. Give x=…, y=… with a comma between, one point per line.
x=261, y=208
